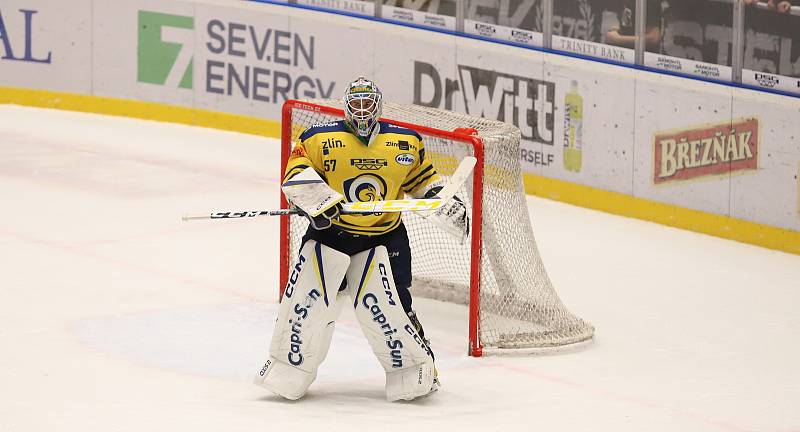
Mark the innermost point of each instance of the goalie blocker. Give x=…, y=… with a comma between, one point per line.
x=310, y=306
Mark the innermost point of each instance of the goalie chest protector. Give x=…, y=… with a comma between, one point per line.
x=392, y=165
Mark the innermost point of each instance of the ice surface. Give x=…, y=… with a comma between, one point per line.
x=116, y=316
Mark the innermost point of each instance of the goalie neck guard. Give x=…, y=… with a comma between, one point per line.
x=363, y=103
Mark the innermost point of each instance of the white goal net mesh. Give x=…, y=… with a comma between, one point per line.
x=519, y=309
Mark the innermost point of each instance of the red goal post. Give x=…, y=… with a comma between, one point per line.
x=462, y=278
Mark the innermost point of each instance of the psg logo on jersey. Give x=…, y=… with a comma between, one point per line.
x=365, y=188
x=369, y=164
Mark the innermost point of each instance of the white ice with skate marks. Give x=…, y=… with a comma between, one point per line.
x=117, y=316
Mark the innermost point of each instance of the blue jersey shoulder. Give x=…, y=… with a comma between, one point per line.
x=390, y=128
x=337, y=126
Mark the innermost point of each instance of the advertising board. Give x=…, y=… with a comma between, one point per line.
x=770, y=194
x=417, y=69
x=222, y=58
x=499, y=32
x=667, y=111
x=482, y=83
x=359, y=7
x=771, y=81
x=44, y=45
x=688, y=66
x=144, y=50
x=703, y=151
x=418, y=17
x=594, y=120
x=595, y=49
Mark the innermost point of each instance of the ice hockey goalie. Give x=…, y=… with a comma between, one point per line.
x=361, y=261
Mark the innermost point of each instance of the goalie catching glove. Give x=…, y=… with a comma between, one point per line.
x=452, y=217
x=309, y=192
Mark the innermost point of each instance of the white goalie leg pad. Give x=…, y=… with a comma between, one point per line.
x=406, y=359
x=305, y=323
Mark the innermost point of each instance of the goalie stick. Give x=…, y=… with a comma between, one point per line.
x=426, y=205
x=459, y=177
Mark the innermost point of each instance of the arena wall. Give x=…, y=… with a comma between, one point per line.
x=696, y=155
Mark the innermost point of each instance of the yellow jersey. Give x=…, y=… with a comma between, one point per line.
x=392, y=165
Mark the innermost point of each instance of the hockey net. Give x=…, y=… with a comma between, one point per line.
x=498, y=272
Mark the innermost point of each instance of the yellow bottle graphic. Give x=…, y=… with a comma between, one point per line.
x=573, y=129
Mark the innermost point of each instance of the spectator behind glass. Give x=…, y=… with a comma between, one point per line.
x=625, y=34
x=782, y=6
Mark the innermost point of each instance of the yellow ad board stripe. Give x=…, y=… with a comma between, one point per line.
x=140, y=110
x=665, y=214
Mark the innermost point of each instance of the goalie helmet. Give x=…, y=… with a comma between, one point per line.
x=362, y=107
